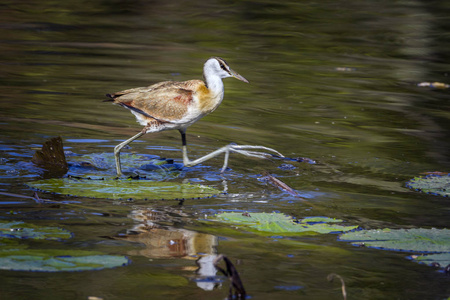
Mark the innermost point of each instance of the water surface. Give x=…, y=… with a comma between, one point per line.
x=332, y=81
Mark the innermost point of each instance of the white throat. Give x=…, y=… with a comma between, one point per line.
x=214, y=84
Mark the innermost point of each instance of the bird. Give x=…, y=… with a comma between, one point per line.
x=176, y=105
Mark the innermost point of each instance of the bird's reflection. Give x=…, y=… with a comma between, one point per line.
x=170, y=242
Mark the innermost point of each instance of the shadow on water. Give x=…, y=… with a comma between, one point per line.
x=337, y=82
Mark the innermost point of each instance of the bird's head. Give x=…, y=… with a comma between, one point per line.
x=216, y=66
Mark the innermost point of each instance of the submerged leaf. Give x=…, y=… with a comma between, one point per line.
x=21, y=230
x=58, y=260
x=433, y=184
x=123, y=189
x=280, y=223
x=104, y=164
x=418, y=240
x=6, y=243
x=320, y=220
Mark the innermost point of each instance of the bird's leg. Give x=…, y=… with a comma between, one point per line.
x=123, y=144
x=247, y=150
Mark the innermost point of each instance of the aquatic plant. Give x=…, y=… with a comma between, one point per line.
x=123, y=188
x=283, y=224
x=419, y=240
x=21, y=230
x=58, y=260
x=436, y=184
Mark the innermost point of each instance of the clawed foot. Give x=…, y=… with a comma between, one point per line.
x=249, y=150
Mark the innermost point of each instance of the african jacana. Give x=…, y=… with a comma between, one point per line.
x=178, y=105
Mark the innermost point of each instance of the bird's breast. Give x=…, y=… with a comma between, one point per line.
x=207, y=100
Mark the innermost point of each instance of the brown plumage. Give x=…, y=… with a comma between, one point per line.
x=166, y=101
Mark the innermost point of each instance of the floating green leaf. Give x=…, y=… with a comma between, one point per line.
x=443, y=259
x=418, y=240
x=433, y=184
x=58, y=260
x=124, y=189
x=280, y=223
x=21, y=230
x=253, y=218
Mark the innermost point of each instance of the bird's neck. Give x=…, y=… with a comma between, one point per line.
x=215, y=85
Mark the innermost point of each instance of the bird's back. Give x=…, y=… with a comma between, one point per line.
x=167, y=101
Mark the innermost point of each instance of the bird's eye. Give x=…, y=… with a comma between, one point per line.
x=222, y=66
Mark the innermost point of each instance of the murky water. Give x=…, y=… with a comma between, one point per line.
x=332, y=81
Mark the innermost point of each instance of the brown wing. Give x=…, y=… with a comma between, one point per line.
x=165, y=101
x=138, y=90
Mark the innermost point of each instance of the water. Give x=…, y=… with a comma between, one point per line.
x=332, y=81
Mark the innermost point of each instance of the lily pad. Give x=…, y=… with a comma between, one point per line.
x=282, y=224
x=21, y=230
x=432, y=184
x=123, y=189
x=417, y=240
x=58, y=260
x=442, y=259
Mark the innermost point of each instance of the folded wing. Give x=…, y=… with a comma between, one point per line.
x=165, y=101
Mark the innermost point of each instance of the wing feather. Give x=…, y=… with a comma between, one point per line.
x=166, y=101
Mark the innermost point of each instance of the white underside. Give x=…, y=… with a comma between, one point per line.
x=192, y=116
x=139, y=118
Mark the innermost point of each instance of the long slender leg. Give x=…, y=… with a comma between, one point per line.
x=246, y=150
x=120, y=146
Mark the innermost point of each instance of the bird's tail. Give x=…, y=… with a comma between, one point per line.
x=111, y=98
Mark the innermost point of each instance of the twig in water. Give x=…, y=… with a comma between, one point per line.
x=279, y=184
x=48, y=201
x=233, y=275
x=330, y=278
x=35, y=197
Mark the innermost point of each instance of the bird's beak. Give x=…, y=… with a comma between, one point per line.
x=237, y=76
